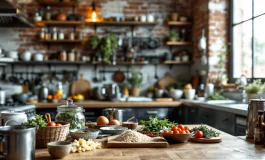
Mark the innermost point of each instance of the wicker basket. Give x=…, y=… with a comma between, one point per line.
x=48, y=134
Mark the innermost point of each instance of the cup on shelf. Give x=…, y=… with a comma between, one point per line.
x=189, y=94
x=143, y=18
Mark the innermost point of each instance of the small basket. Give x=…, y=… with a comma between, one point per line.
x=48, y=134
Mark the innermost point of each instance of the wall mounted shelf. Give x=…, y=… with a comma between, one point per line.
x=61, y=4
x=178, y=23
x=61, y=41
x=177, y=43
x=126, y=23
x=58, y=23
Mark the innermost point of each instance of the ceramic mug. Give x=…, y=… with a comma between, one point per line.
x=189, y=94
x=143, y=18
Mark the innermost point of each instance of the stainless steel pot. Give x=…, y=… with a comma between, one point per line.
x=18, y=142
x=253, y=107
x=118, y=113
x=2, y=97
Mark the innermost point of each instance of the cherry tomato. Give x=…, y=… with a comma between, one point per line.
x=182, y=132
x=51, y=124
x=187, y=131
x=58, y=124
x=171, y=132
x=176, y=132
x=174, y=128
x=186, y=128
x=198, y=134
x=166, y=132
x=181, y=127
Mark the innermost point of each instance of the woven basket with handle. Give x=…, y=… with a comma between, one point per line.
x=48, y=134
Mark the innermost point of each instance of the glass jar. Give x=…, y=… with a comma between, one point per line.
x=72, y=114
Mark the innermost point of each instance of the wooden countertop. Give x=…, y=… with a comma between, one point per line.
x=106, y=104
x=230, y=148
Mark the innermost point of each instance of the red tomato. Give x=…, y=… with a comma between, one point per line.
x=174, y=128
x=166, y=132
x=58, y=124
x=187, y=131
x=176, y=132
x=51, y=124
x=198, y=134
x=171, y=132
x=182, y=132
x=181, y=127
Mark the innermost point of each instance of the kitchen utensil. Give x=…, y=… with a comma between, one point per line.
x=88, y=133
x=43, y=93
x=189, y=94
x=130, y=119
x=61, y=16
x=12, y=118
x=206, y=140
x=117, y=114
x=59, y=149
x=118, y=77
x=113, y=91
x=81, y=86
x=12, y=54
x=130, y=125
x=165, y=81
x=18, y=142
x=153, y=43
x=176, y=93
x=177, y=137
x=21, y=98
x=104, y=76
x=150, y=18
x=2, y=97
x=254, y=106
x=95, y=79
x=113, y=130
x=159, y=93
x=156, y=74
x=100, y=93
x=39, y=57
x=156, y=142
x=26, y=56
x=21, y=79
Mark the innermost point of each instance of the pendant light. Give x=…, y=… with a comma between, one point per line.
x=94, y=13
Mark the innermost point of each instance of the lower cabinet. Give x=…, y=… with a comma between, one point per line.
x=225, y=122
x=207, y=116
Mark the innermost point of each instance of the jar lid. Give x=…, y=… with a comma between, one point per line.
x=12, y=112
x=257, y=100
x=70, y=107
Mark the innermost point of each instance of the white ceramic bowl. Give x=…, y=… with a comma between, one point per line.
x=176, y=93
x=189, y=94
x=12, y=54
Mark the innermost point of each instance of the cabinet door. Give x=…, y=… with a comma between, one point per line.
x=144, y=113
x=226, y=122
x=192, y=116
x=207, y=116
x=92, y=114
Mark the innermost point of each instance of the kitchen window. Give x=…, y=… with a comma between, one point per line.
x=248, y=38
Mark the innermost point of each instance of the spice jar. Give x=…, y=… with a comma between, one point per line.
x=72, y=114
x=61, y=35
x=71, y=56
x=63, y=56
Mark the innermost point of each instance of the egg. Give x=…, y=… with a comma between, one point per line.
x=102, y=120
x=114, y=122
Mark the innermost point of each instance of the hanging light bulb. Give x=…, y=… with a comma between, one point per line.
x=94, y=13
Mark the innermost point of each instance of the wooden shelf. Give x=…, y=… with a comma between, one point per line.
x=178, y=43
x=58, y=23
x=48, y=62
x=178, y=23
x=128, y=23
x=61, y=41
x=61, y=4
x=175, y=62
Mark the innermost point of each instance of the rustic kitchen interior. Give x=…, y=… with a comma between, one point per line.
x=131, y=79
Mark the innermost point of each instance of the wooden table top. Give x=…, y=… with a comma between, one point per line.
x=230, y=148
x=108, y=104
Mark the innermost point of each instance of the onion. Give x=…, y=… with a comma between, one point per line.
x=114, y=122
x=102, y=120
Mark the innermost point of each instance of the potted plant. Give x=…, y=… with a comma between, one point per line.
x=253, y=88
x=173, y=36
x=136, y=81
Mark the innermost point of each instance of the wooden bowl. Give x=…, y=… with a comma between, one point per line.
x=177, y=137
x=130, y=125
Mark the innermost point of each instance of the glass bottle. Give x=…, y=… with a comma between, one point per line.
x=54, y=34
x=48, y=13
x=259, y=130
x=42, y=34
x=63, y=56
x=71, y=56
x=61, y=35
x=72, y=114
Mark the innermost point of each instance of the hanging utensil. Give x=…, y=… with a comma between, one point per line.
x=104, y=76
x=26, y=81
x=202, y=47
x=156, y=74
x=95, y=79
x=118, y=77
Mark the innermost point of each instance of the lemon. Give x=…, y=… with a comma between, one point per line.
x=59, y=92
x=188, y=86
x=125, y=91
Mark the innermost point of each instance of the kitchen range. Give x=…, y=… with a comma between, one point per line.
x=127, y=79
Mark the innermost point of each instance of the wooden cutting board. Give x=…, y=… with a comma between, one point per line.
x=205, y=140
x=94, y=125
x=164, y=82
x=81, y=86
x=156, y=142
x=163, y=99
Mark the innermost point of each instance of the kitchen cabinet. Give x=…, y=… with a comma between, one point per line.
x=207, y=116
x=225, y=122
x=191, y=115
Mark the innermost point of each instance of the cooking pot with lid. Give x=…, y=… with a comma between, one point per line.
x=12, y=118
x=117, y=114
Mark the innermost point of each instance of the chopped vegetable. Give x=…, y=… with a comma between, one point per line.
x=155, y=124
x=207, y=133
x=216, y=96
x=38, y=121
x=73, y=119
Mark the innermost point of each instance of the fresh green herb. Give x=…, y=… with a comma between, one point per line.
x=207, y=133
x=216, y=96
x=73, y=119
x=155, y=124
x=38, y=121
x=254, y=87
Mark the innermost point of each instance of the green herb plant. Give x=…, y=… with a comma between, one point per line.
x=176, y=85
x=38, y=121
x=207, y=133
x=73, y=119
x=154, y=124
x=254, y=87
x=216, y=96
x=136, y=78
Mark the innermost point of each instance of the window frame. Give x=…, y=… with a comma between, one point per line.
x=231, y=30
